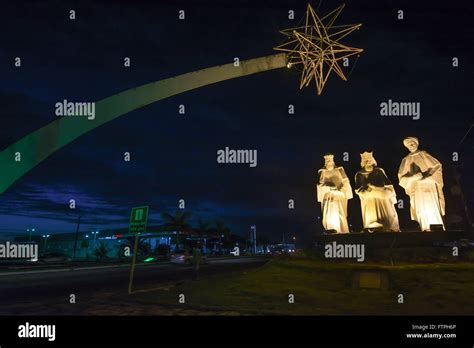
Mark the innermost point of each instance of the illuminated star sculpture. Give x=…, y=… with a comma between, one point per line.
x=317, y=48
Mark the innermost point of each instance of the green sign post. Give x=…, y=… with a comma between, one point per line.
x=138, y=220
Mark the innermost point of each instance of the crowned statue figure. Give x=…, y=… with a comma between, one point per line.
x=421, y=176
x=377, y=196
x=333, y=191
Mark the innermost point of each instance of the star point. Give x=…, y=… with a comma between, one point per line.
x=317, y=47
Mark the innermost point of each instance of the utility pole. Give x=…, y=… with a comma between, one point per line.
x=77, y=234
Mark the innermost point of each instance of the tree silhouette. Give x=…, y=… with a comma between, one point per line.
x=101, y=251
x=178, y=222
x=203, y=229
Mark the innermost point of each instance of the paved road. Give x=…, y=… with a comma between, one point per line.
x=21, y=288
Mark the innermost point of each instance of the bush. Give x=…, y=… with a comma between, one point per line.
x=101, y=251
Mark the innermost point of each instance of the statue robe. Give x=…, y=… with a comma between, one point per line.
x=377, y=197
x=333, y=190
x=421, y=176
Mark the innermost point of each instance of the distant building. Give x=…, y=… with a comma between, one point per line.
x=114, y=240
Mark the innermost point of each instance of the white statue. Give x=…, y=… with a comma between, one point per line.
x=377, y=196
x=421, y=176
x=333, y=189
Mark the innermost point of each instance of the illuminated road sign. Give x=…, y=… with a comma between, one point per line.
x=138, y=219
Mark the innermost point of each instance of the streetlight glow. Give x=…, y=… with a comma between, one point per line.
x=95, y=233
x=45, y=236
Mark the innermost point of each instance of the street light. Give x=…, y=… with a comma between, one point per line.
x=29, y=230
x=95, y=233
x=253, y=237
x=45, y=236
x=77, y=234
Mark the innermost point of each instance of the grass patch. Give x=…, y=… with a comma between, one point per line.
x=324, y=288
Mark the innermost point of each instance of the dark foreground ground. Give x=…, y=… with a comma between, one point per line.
x=101, y=290
x=296, y=285
x=322, y=288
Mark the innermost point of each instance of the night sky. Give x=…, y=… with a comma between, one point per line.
x=174, y=156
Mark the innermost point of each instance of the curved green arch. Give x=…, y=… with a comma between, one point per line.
x=40, y=144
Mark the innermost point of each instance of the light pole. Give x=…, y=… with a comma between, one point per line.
x=253, y=238
x=294, y=242
x=45, y=236
x=30, y=230
x=88, y=247
x=95, y=233
x=75, y=239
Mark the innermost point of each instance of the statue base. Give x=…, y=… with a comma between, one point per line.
x=399, y=247
x=393, y=239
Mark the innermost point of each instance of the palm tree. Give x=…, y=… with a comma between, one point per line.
x=263, y=241
x=222, y=231
x=178, y=222
x=203, y=229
